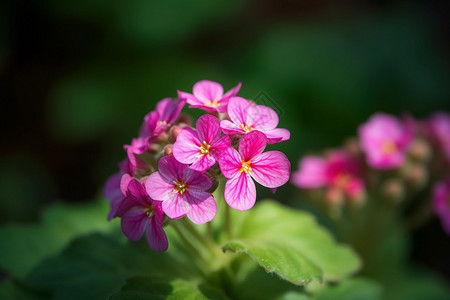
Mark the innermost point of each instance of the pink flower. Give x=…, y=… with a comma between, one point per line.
x=199, y=147
x=384, y=140
x=438, y=126
x=138, y=147
x=141, y=214
x=441, y=201
x=166, y=113
x=271, y=169
x=182, y=191
x=338, y=171
x=246, y=117
x=115, y=188
x=208, y=95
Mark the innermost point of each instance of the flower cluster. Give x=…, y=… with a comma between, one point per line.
x=172, y=168
x=391, y=159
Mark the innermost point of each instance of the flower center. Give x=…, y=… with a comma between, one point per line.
x=246, y=128
x=246, y=167
x=388, y=147
x=150, y=211
x=204, y=148
x=214, y=103
x=180, y=187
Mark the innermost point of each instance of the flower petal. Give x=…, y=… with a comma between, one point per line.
x=187, y=146
x=262, y=117
x=252, y=144
x=191, y=99
x=197, y=181
x=271, y=169
x=171, y=169
x=156, y=237
x=311, y=173
x=206, y=90
x=203, y=207
x=277, y=135
x=203, y=162
x=237, y=110
x=134, y=222
x=157, y=187
x=169, y=110
x=220, y=146
x=175, y=206
x=240, y=192
x=230, y=128
x=208, y=129
x=230, y=162
x=233, y=92
x=111, y=190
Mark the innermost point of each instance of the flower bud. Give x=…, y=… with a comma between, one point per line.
x=417, y=176
x=393, y=190
x=175, y=131
x=420, y=150
x=185, y=119
x=168, y=150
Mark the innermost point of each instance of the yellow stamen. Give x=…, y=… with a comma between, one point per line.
x=149, y=211
x=246, y=128
x=204, y=148
x=246, y=167
x=388, y=147
x=180, y=187
x=214, y=103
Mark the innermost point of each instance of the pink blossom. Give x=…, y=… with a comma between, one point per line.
x=166, y=113
x=138, y=147
x=271, y=169
x=246, y=117
x=438, y=126
x=339, y=170
x=384, y=140
x=140, y=214
x=115, y=188
x=182, y=191
x=199, y=147
x=208, y=95
x=441, y=201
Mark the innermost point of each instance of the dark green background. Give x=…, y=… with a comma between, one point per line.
x=77, y=77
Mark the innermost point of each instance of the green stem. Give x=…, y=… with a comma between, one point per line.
x=186, y=241
x=206, y=242
x=228, y=222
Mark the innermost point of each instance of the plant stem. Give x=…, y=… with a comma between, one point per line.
x=206, y=242
x=228, y=222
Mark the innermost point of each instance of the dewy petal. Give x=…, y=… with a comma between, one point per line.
x=203, y=162
x=240, y=192
x=230, y=162
x=175, y=206
x=262, y=117
x=157, y=187
x=206, y=90
x=237, y=110
x=231, y=128
x=271, y=169
x=203, y=207
x=197, y=181
x=277, y=135
x=134, y=222
x=311, y=173
x=156, y=237
x=208, y=129
x=171, y=169
x=187, y=146
x=252, y=144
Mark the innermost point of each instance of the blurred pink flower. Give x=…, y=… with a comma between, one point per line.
x=384, y=140
x=441, y=201
x=339, y=170
x=182, y=191
x=271, y=169
x=140, y=214
x=246, y=117
x=200, y=147
x=438, y=126
x=115, y=188
x=208, y=95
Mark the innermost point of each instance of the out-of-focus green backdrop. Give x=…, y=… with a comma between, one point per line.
x=77, y=77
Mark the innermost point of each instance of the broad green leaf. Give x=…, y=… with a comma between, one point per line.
x=145, y=287
x=291, y=244
x=28, y=244
x=351, y=289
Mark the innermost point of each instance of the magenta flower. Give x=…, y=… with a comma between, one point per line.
x=166, y=113
x=115, y=188
x=438, y=126
x=200, y=147
x=246, y=117
x=441, y=201
x=140, y=214
x=339, y=171
x=208, y=95
x=270, y=169
x=384, y=140
x=182, y=191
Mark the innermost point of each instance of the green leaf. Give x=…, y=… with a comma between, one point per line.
x=291, y=244
x=28, y=244
x=145, y=287
x=351, y=289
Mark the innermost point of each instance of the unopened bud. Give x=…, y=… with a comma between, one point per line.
x=187, y=120
x=175, y=131
x=420, y=150
x=417, y=176
x=393, y=190
x=168, y=150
